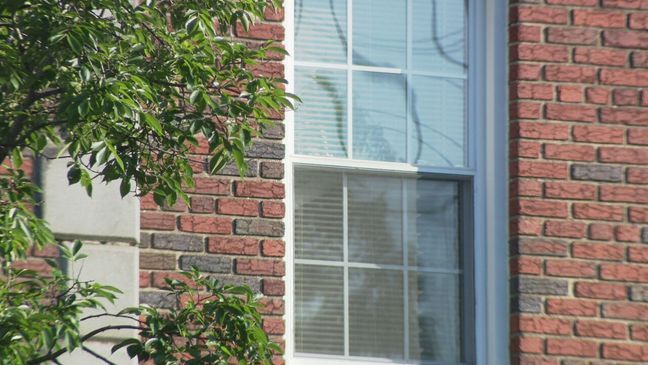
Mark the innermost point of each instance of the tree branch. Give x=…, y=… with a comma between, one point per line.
x=97, y=356
x=109, y=315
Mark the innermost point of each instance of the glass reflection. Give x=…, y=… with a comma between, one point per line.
x=379, y=116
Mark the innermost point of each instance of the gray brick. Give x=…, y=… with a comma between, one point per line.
x=639, y=293
x=230, y=169
x=217, y=264
x=145, y=240
x=538, y=246
x=157, y=261
x=526, y=304
x=253, y=283
x=267, y=149
x=179, y=206
x=274, y=131
x=272, y=170
x=528, y=285
x=259, y=227
x=597, y=172
x=157, y=299
x=644, y=235
x=178, y=242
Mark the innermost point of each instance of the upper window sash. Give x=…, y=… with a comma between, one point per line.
x=391, y=86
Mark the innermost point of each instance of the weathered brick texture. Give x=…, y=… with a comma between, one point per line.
x=233, y=228
x=579, y=181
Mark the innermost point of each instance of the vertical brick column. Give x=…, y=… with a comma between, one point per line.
x=579, y=169
x=234, y=227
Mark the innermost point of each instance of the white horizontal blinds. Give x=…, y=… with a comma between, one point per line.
x=435, y=307
x=318, y=215
x=320, y=30
x=433, y=224
x=376, y=313
x=439, y=39
x=379, y=210
x=319, y=310
x=379, y=37
x=321, y=120
x=379, y=116
x=375, y=220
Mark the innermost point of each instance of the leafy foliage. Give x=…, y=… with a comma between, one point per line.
x=40, y=314
x=216, y=323
x=122, y=91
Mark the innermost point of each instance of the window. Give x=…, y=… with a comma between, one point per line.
x=384, y=165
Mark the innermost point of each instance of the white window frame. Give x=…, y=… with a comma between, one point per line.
x=486, y=160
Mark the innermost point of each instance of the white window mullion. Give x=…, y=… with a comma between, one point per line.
x=350, y=79
x=406, y=338
x=408, y=82
x=408, y=125
x=345, y=259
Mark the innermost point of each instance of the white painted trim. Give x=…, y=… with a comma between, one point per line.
x=289, y=25
x=386, y=70
x=487, y=159
x=345, y=259
x=363, y=265
x=496, y=330
x=317, y=359
x=380, y=166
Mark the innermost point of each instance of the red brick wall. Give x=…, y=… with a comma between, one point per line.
x=233, y=229
x=579, y=169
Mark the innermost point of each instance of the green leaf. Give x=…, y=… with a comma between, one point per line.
x=74, y=43
x=217, y=162
x=124, y=187
x=115, y=155
x=86, y=182
x=76, y=247
x=16, y=158
x=194, y=96
x=240, y=162
x=85, y=74
x=74, y=174
x=124, y=343
x=153, y=123
x=159, y=196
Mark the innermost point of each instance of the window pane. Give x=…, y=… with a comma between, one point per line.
x=376, y=313
x=439, y=43
x=318, y=215
x=319, y=310
x=375, y=220
x=435, y=307
x=433, y=223
x=438, y=131
x=321, y=120
x=379, y=116
x=379, y=33
x=320, y=30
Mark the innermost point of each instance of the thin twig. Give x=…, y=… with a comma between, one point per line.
x=97, y=356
